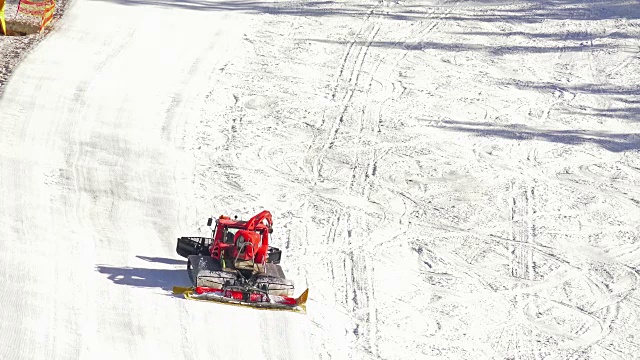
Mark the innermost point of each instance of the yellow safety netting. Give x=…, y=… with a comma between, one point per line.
x=3, y=24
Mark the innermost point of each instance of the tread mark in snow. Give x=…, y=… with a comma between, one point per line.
x=522, y=232
x=352, y=82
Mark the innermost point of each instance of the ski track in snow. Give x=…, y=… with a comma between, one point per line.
x=451, y=179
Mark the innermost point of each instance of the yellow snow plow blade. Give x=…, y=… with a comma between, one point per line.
x=179, y=290
x=302, y=299
x=300, y=307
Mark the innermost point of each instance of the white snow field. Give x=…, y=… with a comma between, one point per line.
x=451, y=179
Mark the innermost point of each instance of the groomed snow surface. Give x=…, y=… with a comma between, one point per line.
x=451, y=179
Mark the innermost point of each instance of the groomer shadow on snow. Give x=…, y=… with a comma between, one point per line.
x=162, y=260
x=164, y=279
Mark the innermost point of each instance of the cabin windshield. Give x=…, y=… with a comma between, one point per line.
x=230, y=232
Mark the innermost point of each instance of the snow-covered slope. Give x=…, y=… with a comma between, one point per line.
x=450, y=179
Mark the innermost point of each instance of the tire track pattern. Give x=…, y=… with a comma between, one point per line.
x=364, y=83
x=523, y=231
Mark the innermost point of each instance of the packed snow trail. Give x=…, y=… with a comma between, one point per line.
x=451, y=179
x=91, y=162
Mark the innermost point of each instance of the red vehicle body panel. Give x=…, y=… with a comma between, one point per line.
x=253, y=231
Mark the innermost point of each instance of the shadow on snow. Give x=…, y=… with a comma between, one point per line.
x=164, y=279
x=616, y=142
x=566, y=36
x=162, y=260
x=462, y=47
x=525, y=12
x=627, y=98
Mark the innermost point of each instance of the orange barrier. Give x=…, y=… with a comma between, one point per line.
x=48, y=14
x=43, y=9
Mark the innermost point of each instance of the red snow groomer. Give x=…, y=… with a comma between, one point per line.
x=237, y=266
